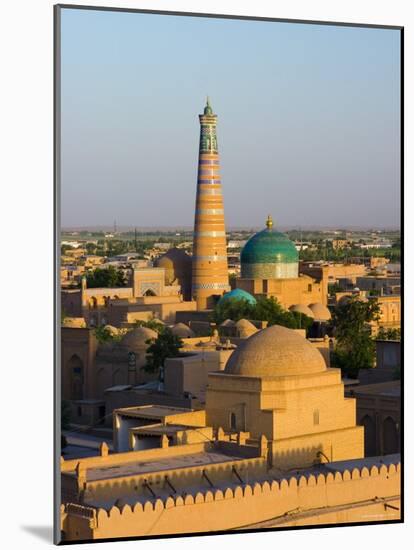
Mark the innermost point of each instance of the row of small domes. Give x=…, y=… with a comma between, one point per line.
x=271, y=352
x=316, y=311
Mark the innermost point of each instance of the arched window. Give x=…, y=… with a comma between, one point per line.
x=233, y=423
x=369, y=436
x=316, y=417
x=149, y=292
x=390, y=436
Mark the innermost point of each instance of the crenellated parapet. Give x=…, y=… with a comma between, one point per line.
x=330, y=491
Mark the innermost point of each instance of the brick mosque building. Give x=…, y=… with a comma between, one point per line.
x=276, y=445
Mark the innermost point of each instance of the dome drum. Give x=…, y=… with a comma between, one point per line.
x=269, y=271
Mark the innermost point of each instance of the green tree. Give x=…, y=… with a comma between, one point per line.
x=90, y=248
x=64, y=248
x=265, y=309
x=108, y=277
x=333, y=288
x=355, y=348
x=166, y=345
x=103, y=334
x=389, y=334
x=234, y=309
x=153, y=324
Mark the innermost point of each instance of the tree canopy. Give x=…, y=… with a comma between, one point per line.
x=355, y=347
x=153, y=324
x=389, y=334
x=107, y=277
x=265, y=309
x=166, y=345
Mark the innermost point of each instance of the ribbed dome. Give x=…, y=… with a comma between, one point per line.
x=301, y=308
x=182, y=331
x=320, y=312
x=238, y=294
x=275, y=351
x=269, y=254
x=136, y=339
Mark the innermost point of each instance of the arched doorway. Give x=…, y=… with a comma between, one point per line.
x=369, y=436
x=149, y=292
x=390, y=436
x=75, y=370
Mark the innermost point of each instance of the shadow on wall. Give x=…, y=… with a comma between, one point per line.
x=298, y=458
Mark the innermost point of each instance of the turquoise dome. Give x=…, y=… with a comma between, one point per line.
x=269, y=254
x=238, y=294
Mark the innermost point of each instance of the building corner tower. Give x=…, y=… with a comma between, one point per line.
x=210, y=276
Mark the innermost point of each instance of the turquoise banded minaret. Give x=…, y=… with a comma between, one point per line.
x=209, y=269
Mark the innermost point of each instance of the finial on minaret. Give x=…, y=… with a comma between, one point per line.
x=207, y=109
x=269, y=222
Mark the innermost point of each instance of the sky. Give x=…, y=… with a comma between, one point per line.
x=308, y=120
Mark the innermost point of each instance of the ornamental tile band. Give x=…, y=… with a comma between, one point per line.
x=212, y=286
x=213, y=211
x=206, y=191
x=209, y=162
x=209, y=233
x=211, y=181
x=269, y=254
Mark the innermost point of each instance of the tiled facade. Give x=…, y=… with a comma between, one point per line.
x=209, y=269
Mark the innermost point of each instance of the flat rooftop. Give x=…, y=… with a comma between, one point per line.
x=159, y=465
x=159, y=429
x=386, y=389
x=152, y=411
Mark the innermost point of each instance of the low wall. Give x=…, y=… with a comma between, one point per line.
x=245, y=505
x=132, y=456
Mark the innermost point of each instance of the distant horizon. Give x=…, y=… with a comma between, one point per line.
x=128, y=228
x=308, y=120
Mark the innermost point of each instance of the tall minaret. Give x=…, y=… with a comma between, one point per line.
x=210, y=272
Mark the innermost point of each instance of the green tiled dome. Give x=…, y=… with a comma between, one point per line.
x=269, y=254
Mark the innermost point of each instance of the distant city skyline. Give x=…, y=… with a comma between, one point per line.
x=308, y=121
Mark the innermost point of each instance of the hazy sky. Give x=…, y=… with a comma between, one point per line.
x=308, y=120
